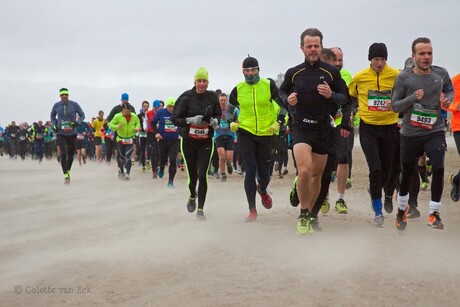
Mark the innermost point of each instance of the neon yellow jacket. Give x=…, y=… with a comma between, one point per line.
x=127, y=129
x=368, y=80
x=257, y=111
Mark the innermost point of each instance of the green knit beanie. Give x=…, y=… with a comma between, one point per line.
x=201, y=74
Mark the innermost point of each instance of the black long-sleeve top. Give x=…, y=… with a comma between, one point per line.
x=312, y=109
x=190, y=104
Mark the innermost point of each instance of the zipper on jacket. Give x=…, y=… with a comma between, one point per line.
x=255, y=109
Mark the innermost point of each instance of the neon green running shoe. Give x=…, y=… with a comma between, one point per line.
x=303, y=226
x=326, y=206
x=341, y=206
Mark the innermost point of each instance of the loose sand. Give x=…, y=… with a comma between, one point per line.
x=134, y=244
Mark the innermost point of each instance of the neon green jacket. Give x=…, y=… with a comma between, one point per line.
x=257, y=111
x=127, y=129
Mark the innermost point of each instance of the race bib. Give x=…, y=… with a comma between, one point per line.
x=169, y=126
x=38, y=136
x=377, y=100
x=199, y=132
x=127, y=141
x=423, y=116
x=142, y=134
x=66, y=126
x=13, y=135
x=80, y=136
x=22, y=138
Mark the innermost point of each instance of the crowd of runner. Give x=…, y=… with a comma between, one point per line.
x=400, y=116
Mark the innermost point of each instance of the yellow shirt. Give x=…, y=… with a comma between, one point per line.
x=97, y=125
x=372, y=91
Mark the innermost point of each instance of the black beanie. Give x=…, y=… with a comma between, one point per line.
x=250, y=62
x=378, y=50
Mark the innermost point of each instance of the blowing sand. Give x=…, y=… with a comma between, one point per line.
x=101, y=241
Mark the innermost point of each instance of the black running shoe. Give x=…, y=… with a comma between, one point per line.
x=401, y=219
x=413, y=212
x=454, y=193
x=191, y=205
x=388, y=204
x=293, y=197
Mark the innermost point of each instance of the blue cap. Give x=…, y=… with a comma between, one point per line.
x=124, y=96
x=156, y=104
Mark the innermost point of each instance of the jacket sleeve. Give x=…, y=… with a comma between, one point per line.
x=113, y=125
x=233, y=104
x=400, y=103
x=179, y=113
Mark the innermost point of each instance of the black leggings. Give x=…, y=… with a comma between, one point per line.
x=325, y=183
x=256, y=153
x=152, y=150
x=141, y=153
x=411, y=148
x=168, y=151
x=109, y=148
x=378, y=144
x=197, y=156
x=67, y=145
x=125, y=152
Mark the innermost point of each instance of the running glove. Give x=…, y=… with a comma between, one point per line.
x=233, y=127
x=273, y=129
x=195, y=120
x=345, y=124
x=214, y=123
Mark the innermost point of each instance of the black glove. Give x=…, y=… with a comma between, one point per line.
x=345, y=124
x=55, y=129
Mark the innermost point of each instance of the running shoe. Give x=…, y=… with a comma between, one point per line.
x=424, y=186
x=170, y=185
x=326, y=206
x=200, y=215
x=314, y=222
x=413, y=212
x=401, y=219
x=149, y=165
x=285, y=171
x=66, y=178
x=191, y=205
x=126, y=177
x=378, y=222
x=229, y=168
x=266, y=199
x=161, y=173
x=454, y=193
x=429, y=167
x=144, y=170
x=182, y=167
x=154, y=175
x=303, y=226
x=388, y=204
x=223, y=178
x=333, y=176
x=293, y=197
x=434, y=220
x=349, y=184
x=252, y=216
x=121, y=175
x=340, y=206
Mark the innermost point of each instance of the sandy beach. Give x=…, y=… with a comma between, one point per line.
x=102, y=241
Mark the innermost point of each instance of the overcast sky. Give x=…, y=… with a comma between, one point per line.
x=151, y=49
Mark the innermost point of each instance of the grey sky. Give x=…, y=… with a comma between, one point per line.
x=151, y=49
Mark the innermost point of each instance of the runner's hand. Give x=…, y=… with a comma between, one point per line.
x=233, y=127
x=195, y=120
x=214, y=123
x=292, y=99
x=274, y=128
